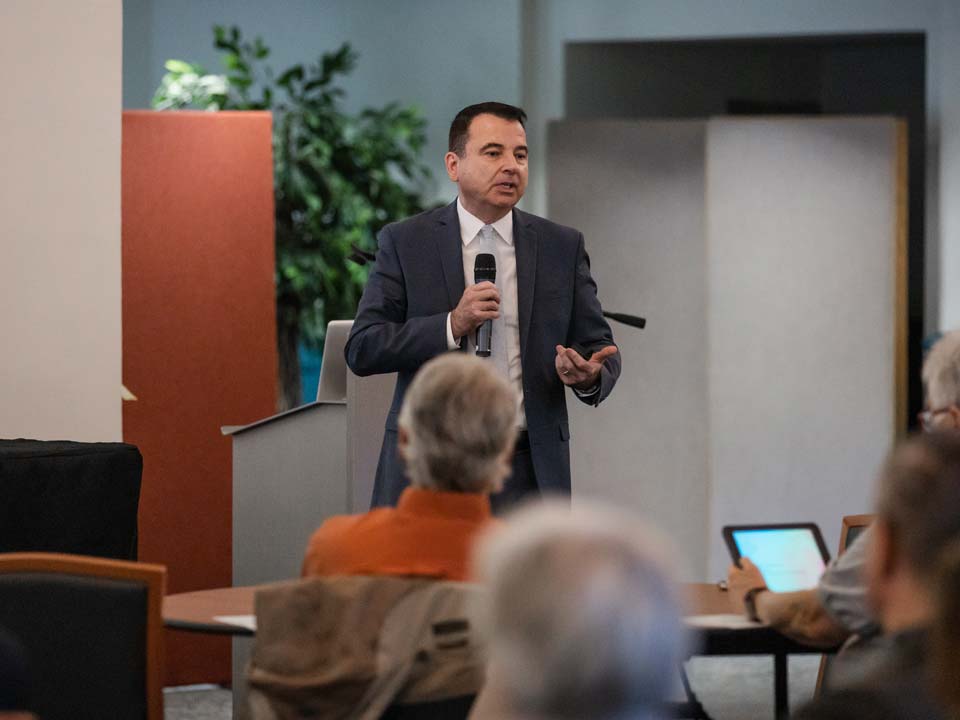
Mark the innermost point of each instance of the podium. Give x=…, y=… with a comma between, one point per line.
x=293, y=470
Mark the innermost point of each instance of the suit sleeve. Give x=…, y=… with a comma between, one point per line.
x=588, y=328
x=383, y=338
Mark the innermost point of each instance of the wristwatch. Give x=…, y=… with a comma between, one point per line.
x=750, y=602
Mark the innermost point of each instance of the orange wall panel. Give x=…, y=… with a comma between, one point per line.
x=199, y=338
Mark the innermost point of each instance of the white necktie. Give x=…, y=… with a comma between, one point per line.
x=498, y=337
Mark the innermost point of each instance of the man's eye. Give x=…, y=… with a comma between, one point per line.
x=521, y=156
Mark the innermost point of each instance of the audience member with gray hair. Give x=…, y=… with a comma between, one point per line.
x=838, y=608
x=582, y=619
x=941, y=377
x=457, y=428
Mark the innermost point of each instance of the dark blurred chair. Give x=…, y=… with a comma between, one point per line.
x=69, y=497
x=92, y=632
x=15, y=679
x=365, y=648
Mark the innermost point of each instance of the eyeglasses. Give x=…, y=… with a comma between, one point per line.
x=928, y=417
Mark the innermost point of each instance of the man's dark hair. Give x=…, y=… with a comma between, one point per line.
x=460, y=127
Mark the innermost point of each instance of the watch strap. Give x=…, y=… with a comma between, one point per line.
x=750, y=601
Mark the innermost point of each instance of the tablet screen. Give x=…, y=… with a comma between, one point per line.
x=789, y=558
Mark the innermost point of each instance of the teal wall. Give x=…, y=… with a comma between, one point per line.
x=437, y=54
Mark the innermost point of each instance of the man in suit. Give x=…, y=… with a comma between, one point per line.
x=548, y=328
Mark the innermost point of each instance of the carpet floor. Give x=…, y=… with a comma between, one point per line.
x=730, y=688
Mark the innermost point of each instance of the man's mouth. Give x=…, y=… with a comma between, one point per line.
x=507, y=185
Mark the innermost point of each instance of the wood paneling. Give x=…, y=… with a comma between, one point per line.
x=199, y=333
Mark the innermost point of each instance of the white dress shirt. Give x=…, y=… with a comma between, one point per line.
x=506, y=283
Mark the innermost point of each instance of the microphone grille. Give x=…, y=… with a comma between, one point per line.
x=485, y=268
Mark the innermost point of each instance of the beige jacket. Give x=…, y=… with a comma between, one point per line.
x=349, y=647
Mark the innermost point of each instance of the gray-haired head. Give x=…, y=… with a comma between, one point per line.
x=583, y=618
x=941, y=372
x=458, y=424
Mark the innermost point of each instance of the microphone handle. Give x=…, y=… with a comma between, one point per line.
x=483, y=338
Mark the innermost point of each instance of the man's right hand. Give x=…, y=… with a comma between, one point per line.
x=479, y=303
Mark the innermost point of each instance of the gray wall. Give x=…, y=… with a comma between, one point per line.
x=801, y=236
x=762, y=389
x=646, y=447
x=550, y=24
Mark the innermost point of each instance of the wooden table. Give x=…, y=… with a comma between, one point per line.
x=709, y=599
x=195, y=611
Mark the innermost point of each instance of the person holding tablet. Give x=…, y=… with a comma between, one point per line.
x=837, y=608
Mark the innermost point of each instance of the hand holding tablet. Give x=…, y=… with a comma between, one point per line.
x=790, y=556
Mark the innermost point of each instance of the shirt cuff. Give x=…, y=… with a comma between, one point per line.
x=588, y=393
x=451, y=343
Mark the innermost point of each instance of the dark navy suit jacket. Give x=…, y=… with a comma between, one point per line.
x=417, y=279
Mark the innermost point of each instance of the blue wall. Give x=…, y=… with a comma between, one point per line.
x=437, y=54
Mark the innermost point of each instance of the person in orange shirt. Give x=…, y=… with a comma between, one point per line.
x=456, y=433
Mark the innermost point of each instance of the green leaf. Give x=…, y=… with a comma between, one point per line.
x=179, y=66
x=292, y=74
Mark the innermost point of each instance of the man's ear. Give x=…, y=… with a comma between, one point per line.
x=955, y=414
x=403, y=441
x=452, y=162
x=504, y=468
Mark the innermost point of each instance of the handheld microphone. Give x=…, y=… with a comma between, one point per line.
x=484, y=269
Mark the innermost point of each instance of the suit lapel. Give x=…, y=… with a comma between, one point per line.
x=450, y=250
x=525, y=242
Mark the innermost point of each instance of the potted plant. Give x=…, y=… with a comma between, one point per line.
x=338, y=178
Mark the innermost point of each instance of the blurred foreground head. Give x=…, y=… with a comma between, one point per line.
x=918, y=517
x=583, y=619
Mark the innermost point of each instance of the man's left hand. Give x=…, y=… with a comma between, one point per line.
x=742, y=579
x=576, y=372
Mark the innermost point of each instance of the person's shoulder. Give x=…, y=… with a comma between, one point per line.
x=343, y=523
x=546, y=227
x=340, y=536
x=417, y=225
x=891, y=702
